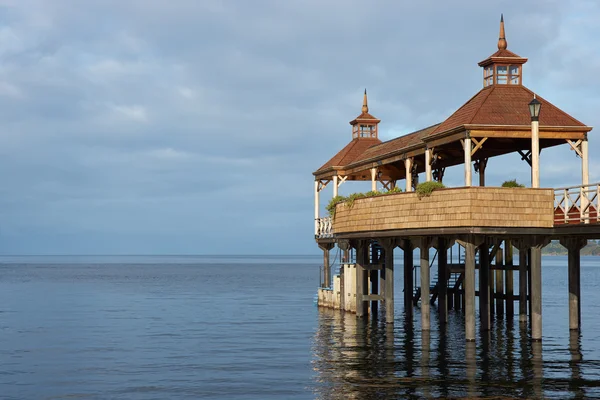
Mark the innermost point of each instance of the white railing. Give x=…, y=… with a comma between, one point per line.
x=324, y=228
x=576, y=204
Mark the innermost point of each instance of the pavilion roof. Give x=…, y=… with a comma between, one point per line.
x=505, y=105
x=350, y=153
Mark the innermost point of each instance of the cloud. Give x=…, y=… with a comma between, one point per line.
x=153, y=126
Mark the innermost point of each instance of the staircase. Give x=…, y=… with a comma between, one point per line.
x=455, y=278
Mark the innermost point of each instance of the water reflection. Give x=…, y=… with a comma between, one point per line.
x=354, y=359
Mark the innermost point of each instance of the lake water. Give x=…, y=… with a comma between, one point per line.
x=247, y=328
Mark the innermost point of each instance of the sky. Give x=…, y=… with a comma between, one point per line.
x=193, y=127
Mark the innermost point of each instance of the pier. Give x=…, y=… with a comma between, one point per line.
x=475, y=231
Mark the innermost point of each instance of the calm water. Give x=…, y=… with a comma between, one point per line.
x=246, y=328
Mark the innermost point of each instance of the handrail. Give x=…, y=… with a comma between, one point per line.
x=576, y=187
x=577, y=204
x=324, y=227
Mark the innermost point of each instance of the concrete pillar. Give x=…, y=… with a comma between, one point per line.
x=536, y=293
x=574, y=246
x=499, y=283
x=374, y=278
x=408, y=163
x=442, y=263
x=484, y=288
x=425, y=283
x=389, y=284
x=316, y=207
x=326, y=247
x=509, y=279
x=335, y=185
x=523, y=285
x=469, y=285
x=535, y=154
x=467, y=151
x=428, y=165
x=407, y=247
x=373, y=179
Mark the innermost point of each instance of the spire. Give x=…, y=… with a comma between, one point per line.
x=365, y=107
x=502, y=38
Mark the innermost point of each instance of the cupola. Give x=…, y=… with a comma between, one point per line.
x=365, y=125
x=503, y=67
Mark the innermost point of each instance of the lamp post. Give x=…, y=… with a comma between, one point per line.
x=534, y=111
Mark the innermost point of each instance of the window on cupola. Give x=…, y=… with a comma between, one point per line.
x=502, y=72
x=367, y=131
x=488, y=76
x=515, y=75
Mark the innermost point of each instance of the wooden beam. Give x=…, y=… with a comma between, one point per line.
x=478, y=144
x=575, y=146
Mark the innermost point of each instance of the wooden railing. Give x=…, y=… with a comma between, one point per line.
x=324, y=228
x=576, y=204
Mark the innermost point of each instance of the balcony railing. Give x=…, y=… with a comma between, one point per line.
x=576, y=204
x=324, y=228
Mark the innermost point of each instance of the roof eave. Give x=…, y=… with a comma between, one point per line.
x=502, y=60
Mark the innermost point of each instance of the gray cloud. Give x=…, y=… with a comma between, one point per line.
x=155, y=127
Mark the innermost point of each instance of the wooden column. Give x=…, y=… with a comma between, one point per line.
x=389, y=245
x=523, y=284
x=428, y=165
x=469, y=285
x=335, y=185
x=484, y=288
x=326, y=247
x=467, y=151
x=361, y=280
x=585, y=177
x=509, y=279
x=373, y=179
x=535, y=154
x=482, y=165
x=529, y=283
x=442, y=264
x=316, y=207
x=499, y=283
x=407, y=249
x=408, y=163
x=536, y=293
x=574, y=246
x=425, y=283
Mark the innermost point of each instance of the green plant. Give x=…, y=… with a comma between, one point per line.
x=354, y=196
x=372, y=193
x=424, y=189
x=334, y=202
x=395, y=189
x=512, y=184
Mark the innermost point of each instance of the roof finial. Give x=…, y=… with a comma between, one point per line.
x=502, y=39
x=365, y=107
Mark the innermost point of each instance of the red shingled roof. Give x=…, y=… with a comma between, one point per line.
x=350, y=153
x=365, y=116
x=505, y=105
x=396, y=145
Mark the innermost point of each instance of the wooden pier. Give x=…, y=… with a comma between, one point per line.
x=482, y=224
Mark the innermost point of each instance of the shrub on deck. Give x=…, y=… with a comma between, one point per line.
x=349, y=200
x=512, y=184
x=424, y=189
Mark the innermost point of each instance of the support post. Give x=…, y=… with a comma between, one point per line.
x=408, y=164
x=536, y=293
x=361, y=285
x=335, y=185
x=499, y=283
x=481, y=165
x=407, y=248
x=425, y=283
x=484, y=287
x=428, y=165
x=469, y=285
x=467, y=151
x=326, y=247
x=535, y=154
x=316, y=207
x=373, y=179
x=389, y=281
x=442, y=263
x=508, y=278
x=523, y=284
x=574, y=247
x=585, y=176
